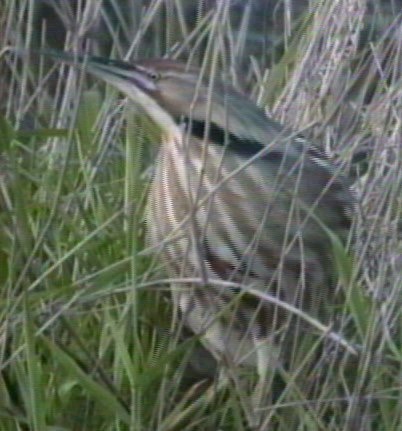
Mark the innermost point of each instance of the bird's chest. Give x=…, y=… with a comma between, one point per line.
x=189, y=178
x=204, y=191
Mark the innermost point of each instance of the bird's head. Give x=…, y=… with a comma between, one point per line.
x=162, y=88
x=169, y=90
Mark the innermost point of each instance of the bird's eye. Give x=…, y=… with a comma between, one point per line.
x=153, y=75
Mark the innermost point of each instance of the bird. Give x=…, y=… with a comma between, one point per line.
x=239, y=204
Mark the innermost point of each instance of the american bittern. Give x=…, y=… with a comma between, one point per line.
x=237, y=202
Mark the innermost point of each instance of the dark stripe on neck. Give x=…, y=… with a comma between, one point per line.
x=242, y=146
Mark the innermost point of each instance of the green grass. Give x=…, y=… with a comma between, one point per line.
x=88, y=338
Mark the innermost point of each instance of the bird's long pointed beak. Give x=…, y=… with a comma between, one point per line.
x=114, y=72
x=132, y=80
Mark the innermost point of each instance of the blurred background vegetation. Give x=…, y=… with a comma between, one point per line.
x=87, y=337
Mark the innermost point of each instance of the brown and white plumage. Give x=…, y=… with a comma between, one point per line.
x=236, y=197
